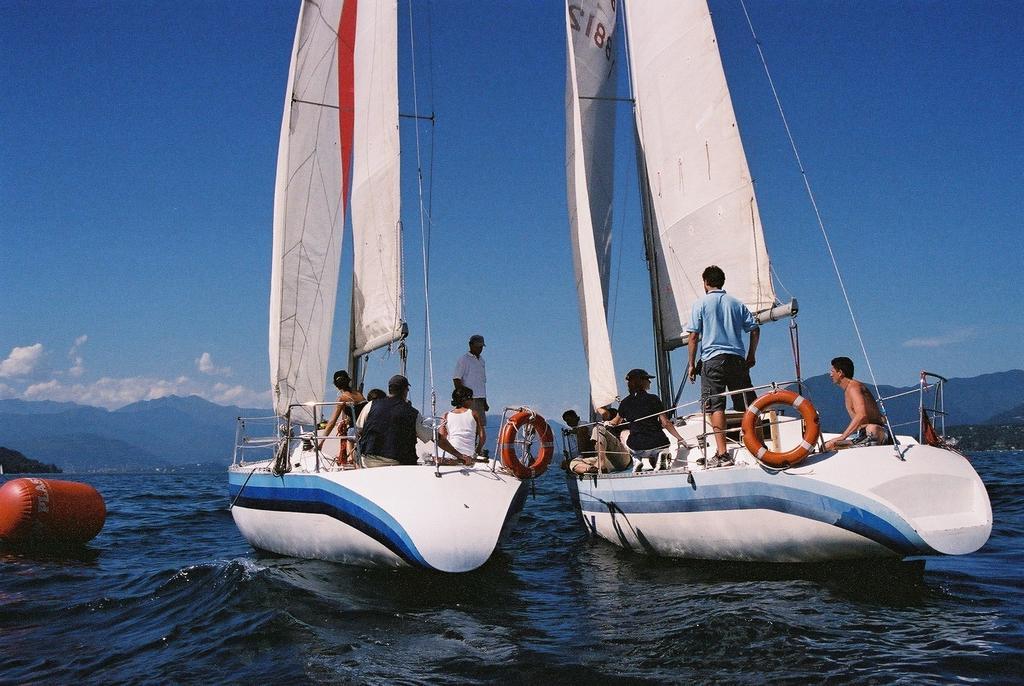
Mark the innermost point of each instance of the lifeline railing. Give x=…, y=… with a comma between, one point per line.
x=735, y=431
x=289, y=431
x=570, y=445
x=929, y=382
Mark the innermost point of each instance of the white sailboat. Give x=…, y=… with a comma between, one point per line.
x=907, y=499
x=341, y=113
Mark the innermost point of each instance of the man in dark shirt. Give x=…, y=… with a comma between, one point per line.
x=643, y=414
x=392, y=426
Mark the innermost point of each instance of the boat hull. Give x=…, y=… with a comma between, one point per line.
x=852, y=504
x=390, y=516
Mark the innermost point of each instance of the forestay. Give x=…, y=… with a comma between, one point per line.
x=590, y=132
x=702, y=194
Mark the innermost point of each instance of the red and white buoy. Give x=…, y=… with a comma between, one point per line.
x=49, y=512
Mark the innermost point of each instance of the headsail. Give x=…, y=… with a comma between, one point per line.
x=590, y=133
x=376, y=231
x=701, y=190
x=309, y=205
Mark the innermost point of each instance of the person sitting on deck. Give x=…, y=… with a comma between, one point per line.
x=645, y=414
x=461, y=426
x=865, y=417
x=391, y=427
x=585, y=459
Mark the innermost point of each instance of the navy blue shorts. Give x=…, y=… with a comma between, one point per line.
x=722, y=373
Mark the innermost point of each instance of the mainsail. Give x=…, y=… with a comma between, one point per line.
x=701, y=193
x=341, y=113
x=590, y=133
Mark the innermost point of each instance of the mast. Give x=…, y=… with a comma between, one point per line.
x=662, y=361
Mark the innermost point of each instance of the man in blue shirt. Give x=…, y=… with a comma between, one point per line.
x=718, y=321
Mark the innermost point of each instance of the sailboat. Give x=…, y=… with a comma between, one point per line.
x=804, y=504
x=340, y=131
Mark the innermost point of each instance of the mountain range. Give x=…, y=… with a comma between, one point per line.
x=164, y=433
x=175, y=432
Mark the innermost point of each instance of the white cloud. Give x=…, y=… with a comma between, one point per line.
x=77, y=363
x=949, y=338
x=113, y=393
x=206, y=366
x=240, y=395
x=7, y=392
x=21, y=361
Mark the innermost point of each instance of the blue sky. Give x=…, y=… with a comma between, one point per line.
x=137, y=172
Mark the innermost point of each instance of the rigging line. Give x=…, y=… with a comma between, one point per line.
x=423, y=223
x=430, y=173
x=814, y=204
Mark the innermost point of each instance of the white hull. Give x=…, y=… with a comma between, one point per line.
x=855, y=503
x=385, y=516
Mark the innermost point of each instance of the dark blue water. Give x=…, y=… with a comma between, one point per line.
x=170, y=592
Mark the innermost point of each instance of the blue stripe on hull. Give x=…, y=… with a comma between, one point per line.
x=828, y=505
x=337, y=502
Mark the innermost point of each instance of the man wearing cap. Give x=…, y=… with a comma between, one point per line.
x=719, y=320
x=390, y=427
x=471, y=372
x=643, y=414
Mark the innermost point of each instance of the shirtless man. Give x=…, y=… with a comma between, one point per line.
x=865, y=418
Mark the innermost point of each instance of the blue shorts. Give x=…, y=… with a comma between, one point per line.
x=725, y=373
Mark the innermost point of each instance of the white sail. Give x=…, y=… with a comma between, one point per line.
x=590, y=133
x=701, y=191
x=376, y=232
x=308, y=210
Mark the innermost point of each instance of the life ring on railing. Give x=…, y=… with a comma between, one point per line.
x=507, y=445
x=757, y=447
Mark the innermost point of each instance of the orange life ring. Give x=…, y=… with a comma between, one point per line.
x=507, y=445
x=757, y=447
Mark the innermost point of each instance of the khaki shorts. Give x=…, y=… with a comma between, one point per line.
x=615, y=453
x=378, y=461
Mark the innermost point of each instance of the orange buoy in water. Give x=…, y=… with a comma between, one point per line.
x=49, y=512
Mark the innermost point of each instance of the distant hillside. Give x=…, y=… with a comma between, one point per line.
x=1012, y=416
x=13, y=462
x=85, y=452
x=988, y=437
x=154, y=434
x=985, y=399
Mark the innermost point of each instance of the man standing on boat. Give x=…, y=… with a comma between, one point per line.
x=471, y=372
x=391, y=427
x=865, y=417
x=718, y=321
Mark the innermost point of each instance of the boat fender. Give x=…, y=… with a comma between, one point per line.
x=756, y=446
x=507, y=445
x=50, y=512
